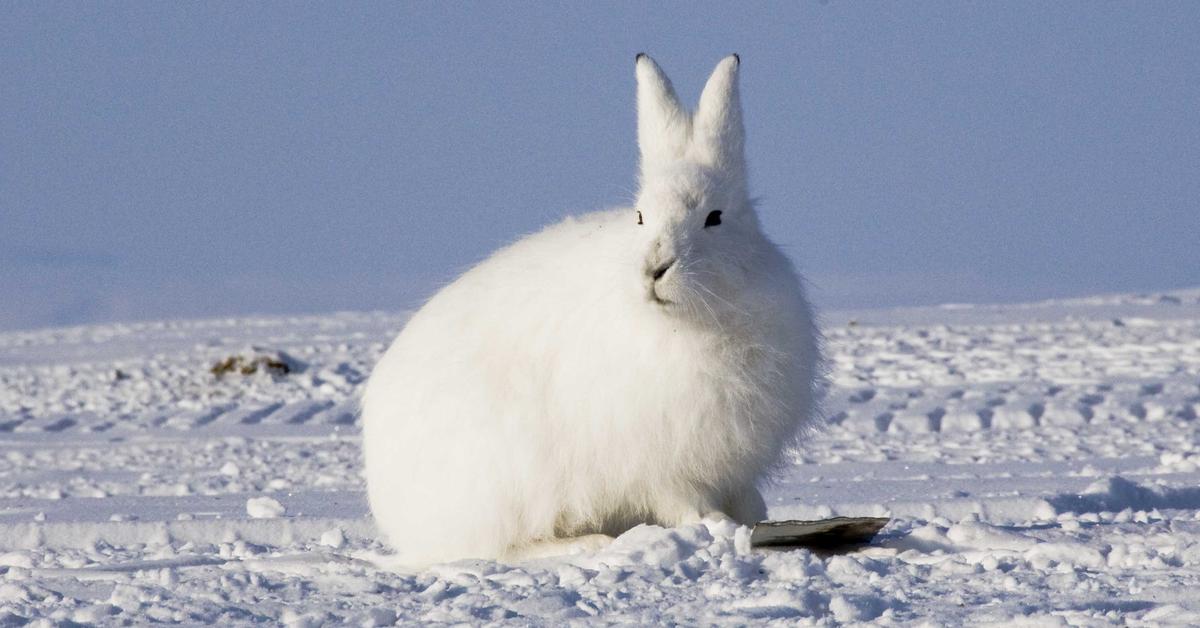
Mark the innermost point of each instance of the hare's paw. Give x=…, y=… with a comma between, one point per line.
x=690, y=511
x=746, y=506
x=743, y=506
x=560, y=547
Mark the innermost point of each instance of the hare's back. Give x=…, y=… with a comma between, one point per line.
x=536, y=279
x=504, y=314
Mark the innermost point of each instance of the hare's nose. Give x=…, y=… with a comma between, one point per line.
x=657, y=273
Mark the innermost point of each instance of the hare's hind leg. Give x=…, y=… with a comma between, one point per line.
x=548, y=548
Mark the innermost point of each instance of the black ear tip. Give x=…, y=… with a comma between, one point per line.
x=737, y=59
x=639, y=57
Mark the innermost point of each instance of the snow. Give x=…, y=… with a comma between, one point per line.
x=264, y=508
x=1039, y=462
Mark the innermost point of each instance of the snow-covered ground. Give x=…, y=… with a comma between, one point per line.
x=1040, y=462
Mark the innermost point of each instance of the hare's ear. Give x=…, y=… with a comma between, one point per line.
x=663, y=124
x=718, y=132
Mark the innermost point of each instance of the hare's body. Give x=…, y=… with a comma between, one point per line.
x=576, y=383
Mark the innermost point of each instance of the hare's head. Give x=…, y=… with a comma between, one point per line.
x=702, y=241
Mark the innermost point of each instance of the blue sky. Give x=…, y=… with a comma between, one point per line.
x=162, y=160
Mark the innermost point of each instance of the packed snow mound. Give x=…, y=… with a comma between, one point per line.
x=264, y=508
x=1039, y=463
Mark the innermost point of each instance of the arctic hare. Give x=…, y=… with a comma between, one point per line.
x=647, y=364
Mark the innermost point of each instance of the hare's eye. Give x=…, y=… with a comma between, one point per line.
x=640, y=218
x=714, y=219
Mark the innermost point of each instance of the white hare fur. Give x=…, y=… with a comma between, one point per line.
x=559, y=389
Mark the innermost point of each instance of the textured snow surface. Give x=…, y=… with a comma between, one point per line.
x=1040, y=463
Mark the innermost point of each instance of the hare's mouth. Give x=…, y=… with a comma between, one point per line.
x=655, y=298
